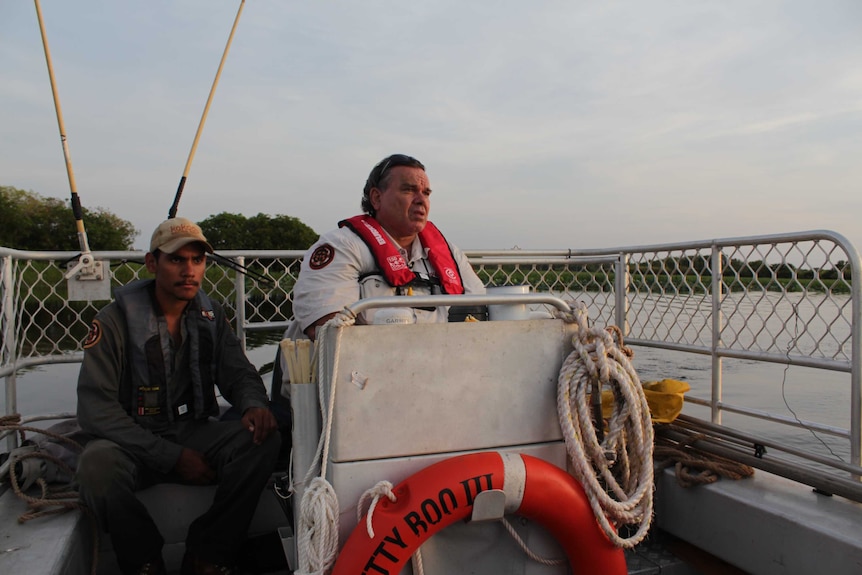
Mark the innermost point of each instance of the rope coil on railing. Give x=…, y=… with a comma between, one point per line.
x=50, y=497
x=617, y=471
x=693, y=466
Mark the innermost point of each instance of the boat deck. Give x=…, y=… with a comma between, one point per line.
x=765, y=524
x=64, y=543
x=43, y=545
x=61, y=544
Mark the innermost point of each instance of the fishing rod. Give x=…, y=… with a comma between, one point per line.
x=87, y=278
x=85, y=263
x=173, y=210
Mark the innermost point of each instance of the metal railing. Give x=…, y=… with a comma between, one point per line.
x=787, y=300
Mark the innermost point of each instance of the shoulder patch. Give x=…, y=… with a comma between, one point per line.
x=321, y=257
x=208, y=313
x=94, y=335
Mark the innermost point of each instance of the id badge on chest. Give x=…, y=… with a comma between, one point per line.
x=148, y=400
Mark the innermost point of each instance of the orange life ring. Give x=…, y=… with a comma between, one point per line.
x=443, y=493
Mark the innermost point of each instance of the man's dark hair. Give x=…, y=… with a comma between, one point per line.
x=378, y=177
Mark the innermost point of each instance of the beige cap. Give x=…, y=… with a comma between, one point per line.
x=174, y=233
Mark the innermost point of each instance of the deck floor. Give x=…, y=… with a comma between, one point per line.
x=40, y=545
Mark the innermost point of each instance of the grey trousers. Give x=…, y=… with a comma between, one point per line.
x=108, y=477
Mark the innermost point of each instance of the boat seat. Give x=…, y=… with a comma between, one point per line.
x=173, y=507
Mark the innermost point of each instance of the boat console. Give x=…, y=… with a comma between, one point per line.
x=408, y=396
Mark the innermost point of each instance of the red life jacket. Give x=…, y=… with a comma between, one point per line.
x=393, y=266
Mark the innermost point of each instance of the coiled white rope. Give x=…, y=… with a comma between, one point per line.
x=317, y=528
x=616, y=472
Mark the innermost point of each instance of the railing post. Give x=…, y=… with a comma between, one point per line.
x=621, y=297
x=856, y=357
x=717, y=293
x=239, y=288
x=10, y=343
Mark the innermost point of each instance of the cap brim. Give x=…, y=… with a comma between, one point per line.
x=173, y=245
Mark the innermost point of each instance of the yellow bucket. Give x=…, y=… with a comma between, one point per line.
x=665, y=399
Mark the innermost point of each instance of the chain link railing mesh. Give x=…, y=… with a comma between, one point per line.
x=776, y=298
x=782, y=298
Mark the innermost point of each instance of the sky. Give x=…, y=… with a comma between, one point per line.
x=542, y=124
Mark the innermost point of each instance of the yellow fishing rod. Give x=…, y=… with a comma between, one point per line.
x=88, y=279
x=172, y=212
x=87, y=268
x=76, y=202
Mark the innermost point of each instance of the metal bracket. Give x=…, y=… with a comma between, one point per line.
x=84, y=268
x=88, y=279
x=489, y=505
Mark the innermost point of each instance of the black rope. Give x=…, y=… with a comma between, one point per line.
x=243, y=269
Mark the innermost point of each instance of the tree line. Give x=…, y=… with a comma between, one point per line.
x=30, y=221
x=700, y=265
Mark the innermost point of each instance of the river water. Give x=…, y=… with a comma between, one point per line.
x=799, y=324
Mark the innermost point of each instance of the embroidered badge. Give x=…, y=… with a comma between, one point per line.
x=321, y=257
x=209, y=314
x=94, y=335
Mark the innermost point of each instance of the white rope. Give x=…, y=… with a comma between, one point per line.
x=617, y=472
x=317, y=529
x=532, y=555
x=382, y=488
x=416, y=561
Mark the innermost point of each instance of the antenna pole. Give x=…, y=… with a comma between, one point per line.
x=173, y=210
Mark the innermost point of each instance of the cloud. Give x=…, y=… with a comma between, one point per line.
x=542, y=124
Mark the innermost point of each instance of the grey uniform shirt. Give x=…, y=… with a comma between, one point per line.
x=106, y=364
x=335, y=274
